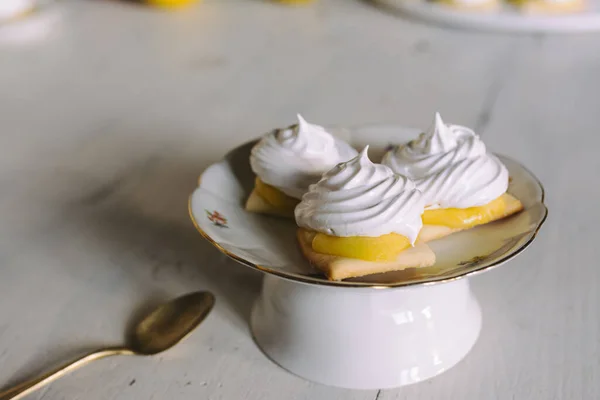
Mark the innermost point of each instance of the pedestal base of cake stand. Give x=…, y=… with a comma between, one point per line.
x=365, y=338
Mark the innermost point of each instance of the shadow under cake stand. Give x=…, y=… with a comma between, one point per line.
x=380, y=331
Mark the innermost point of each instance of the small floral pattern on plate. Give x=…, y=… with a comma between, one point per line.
x=217, y=218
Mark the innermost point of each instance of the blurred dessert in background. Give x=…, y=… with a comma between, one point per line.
x=171, y=3
x=15, y=8
x=472, y=5
x=550, y=6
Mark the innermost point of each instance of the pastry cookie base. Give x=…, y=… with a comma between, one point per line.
x=257, y=204
x=432, y=232
x=337, y=268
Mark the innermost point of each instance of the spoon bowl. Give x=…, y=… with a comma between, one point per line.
x=170, y=323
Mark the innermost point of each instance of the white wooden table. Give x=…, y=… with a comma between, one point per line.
x=109, y=112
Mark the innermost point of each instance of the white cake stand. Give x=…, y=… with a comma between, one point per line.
x=381, y=331
x=505, y=19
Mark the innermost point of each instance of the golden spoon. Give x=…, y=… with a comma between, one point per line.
x=162, y=329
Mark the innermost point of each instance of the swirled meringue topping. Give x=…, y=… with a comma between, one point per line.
x=293, y=158
x=450, y=165
x=359, y=198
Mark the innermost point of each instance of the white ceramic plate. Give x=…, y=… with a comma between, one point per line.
x=269, y=244
x=506, y=18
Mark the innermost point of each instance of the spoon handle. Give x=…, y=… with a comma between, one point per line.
x=25, y=388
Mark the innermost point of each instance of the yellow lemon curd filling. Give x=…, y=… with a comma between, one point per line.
x=464, y=218
x=381, y=249
x=275, y=197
